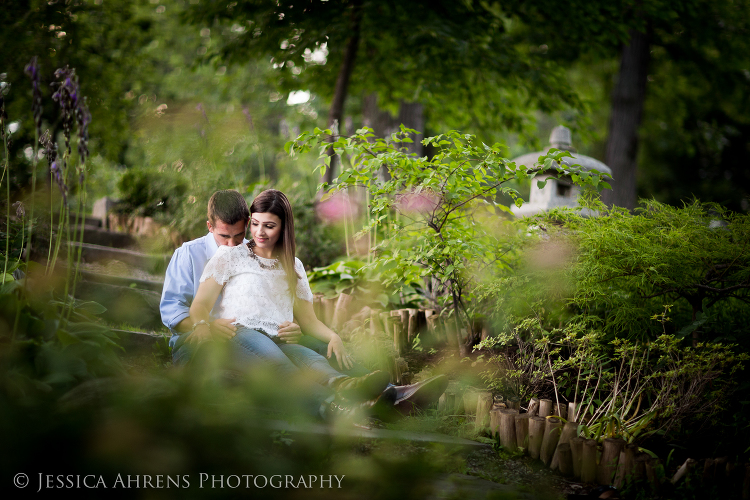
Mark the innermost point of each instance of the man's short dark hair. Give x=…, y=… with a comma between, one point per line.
x=228, y=206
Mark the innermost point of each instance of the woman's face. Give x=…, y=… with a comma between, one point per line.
x=265, y=229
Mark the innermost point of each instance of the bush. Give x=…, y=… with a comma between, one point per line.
x=152, y=194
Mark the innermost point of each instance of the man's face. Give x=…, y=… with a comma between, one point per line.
x=226, y=234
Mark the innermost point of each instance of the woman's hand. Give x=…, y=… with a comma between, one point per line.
x=290, y=332
x=336, y=347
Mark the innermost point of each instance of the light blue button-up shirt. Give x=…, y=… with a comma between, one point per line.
x=182, y=280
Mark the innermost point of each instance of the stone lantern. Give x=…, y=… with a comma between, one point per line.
x=557, y=192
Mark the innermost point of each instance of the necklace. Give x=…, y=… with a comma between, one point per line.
x=267, y=267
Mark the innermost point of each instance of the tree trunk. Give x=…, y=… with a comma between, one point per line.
x=336, y=113
x=628, y=96
x=410, y=114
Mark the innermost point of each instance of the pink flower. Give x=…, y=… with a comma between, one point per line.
x=412, y=202
x=336, y=208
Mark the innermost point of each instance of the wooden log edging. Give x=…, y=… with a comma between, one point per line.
x=483, y=407
x=611, y=448
x=551, y=437
x=568, y=432
x=522, y=430
x=588, y=461
x=613, y=462
x=507, y=429
x=536, y=435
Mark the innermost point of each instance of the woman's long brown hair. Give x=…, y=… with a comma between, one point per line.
x=275, y=202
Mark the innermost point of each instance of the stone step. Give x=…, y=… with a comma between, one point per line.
x=143, y=351
x=154, y=286
x=94, y=235
x=153, y=263
x=88, y=220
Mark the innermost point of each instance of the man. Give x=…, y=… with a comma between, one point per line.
x=228, y=216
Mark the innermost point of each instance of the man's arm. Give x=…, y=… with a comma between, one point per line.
x=177, y=296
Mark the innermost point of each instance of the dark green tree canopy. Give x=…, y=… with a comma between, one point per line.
x=468, y=62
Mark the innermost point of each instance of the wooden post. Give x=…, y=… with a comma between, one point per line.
x=588, y=461
x=576, y=450
x=721, y=468
x=625, y=466
x=746, y=483
x=551, y=437
x=450, y=402
x=522, y=430
x=482, y=410
x=385, y=321
x=508, y=428
x=569, y=431
x=709, y=466
x=375, y=325
x=494, y=421
x=432, y=327
x=639, y=466
x=536, y=435
x=412, y=320
x=471, y=398
x=684, y=470
x=328, y=307
x=421, y=321
x=565, y=459
x=533, y=407
x=401, y=368
x=545, y=408
x=399, y=337
x=561, y=410
x=318, y=306
x=611, y=449
x=403, y=314
x=572, y=408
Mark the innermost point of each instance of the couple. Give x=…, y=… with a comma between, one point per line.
x=250, y=293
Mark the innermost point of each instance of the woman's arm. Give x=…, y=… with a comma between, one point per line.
x=200, y=310
x=311, y=325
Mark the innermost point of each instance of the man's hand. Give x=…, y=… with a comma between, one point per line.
x=217, y=329
x=290, y=332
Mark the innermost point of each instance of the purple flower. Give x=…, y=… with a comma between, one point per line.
x=249, y=117
x=83, y=118
x=67, y=86
x=20, y=210
x=36, y=101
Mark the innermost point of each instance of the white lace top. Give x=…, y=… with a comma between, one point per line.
x=258, y=298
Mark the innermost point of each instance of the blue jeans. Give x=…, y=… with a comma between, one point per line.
x=285, y=358
x=252, y=347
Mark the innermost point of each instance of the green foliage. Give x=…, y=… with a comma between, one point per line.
x=627, y=267
x=623, y=388
x=148, y=193
x=339, y=277
x=433, y=218
x=469, y=64
x=43, y=352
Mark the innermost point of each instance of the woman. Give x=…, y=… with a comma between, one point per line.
x=264, y=285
